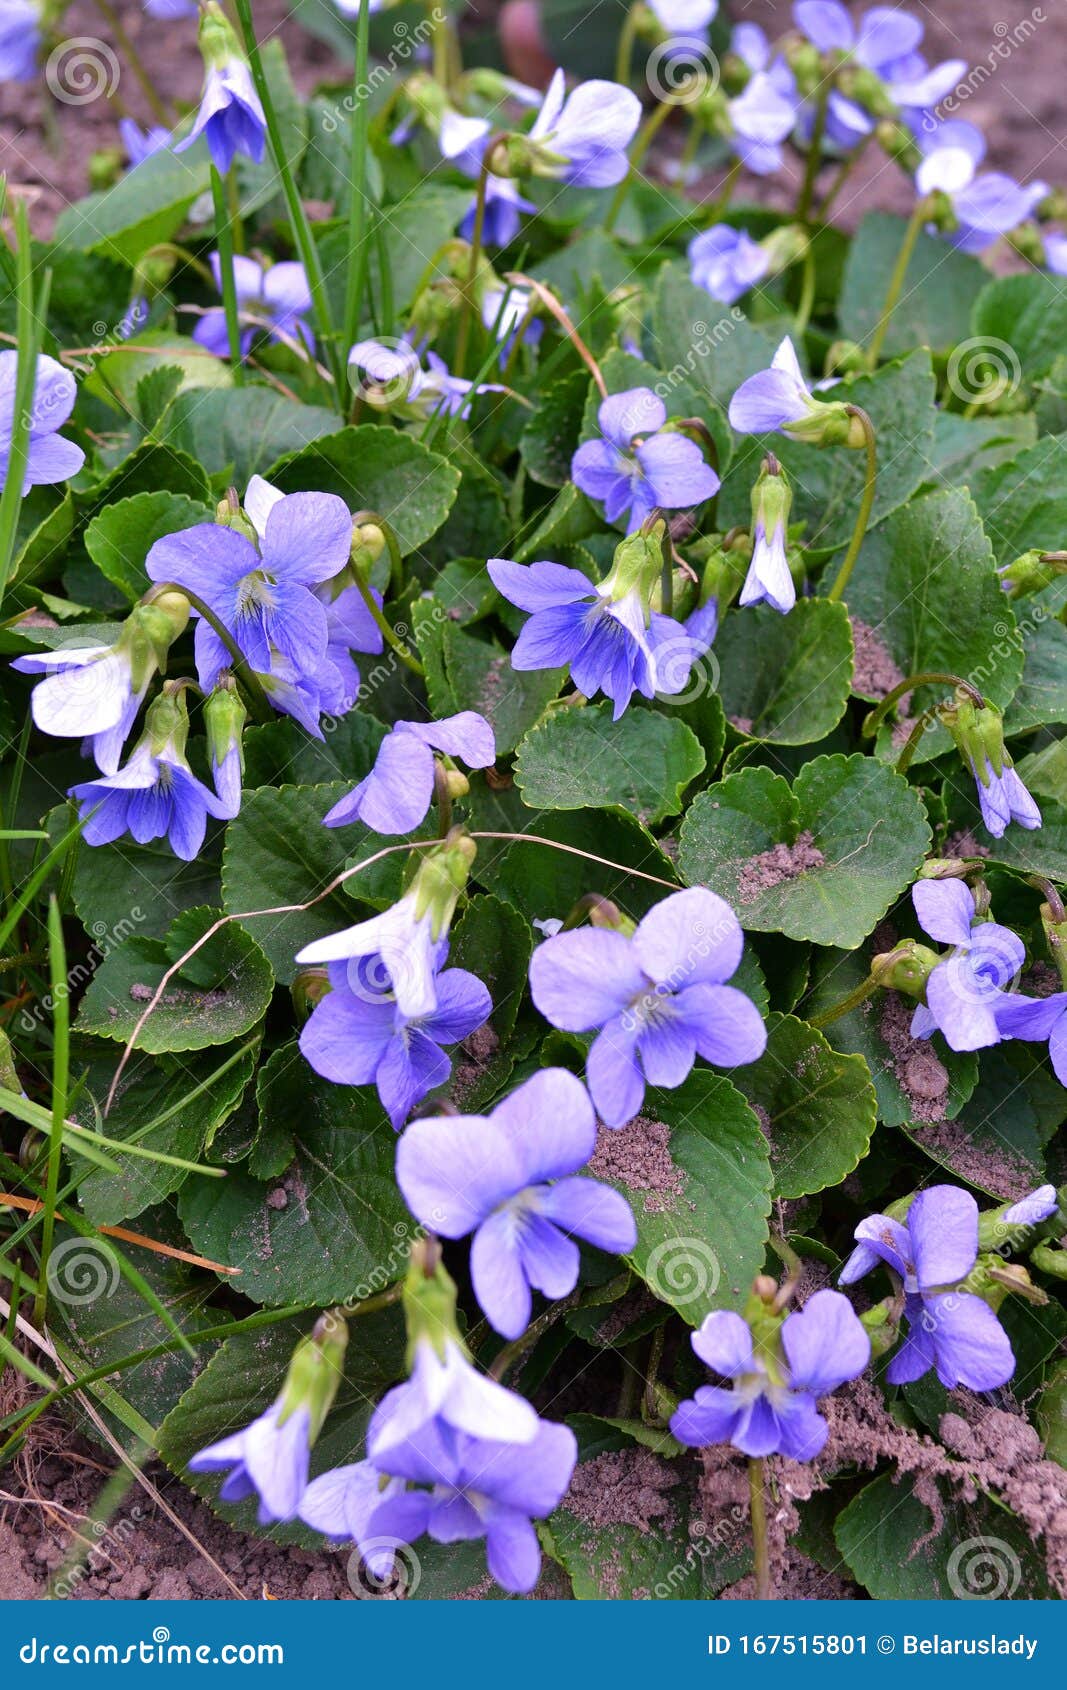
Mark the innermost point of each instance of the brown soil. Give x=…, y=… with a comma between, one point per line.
x=623, y=1488
x=639, y=1157
x=875, y=673
x=779, y=864
x=915, y=1064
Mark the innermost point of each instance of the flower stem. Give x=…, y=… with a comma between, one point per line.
x=911, y=744
x=257, y=698
x=225, y=242
x=896, y=281
x=357, y=173
x=624, y=51
x=814, y=158
x=388, y=633
x=721, y=203
x=862, y=992
x=864, y=514
x=467, y=307
x=305, y=241
x=641, y=146
x=926, y=678
x=443, y=798
x=807, y=292
x=129, y=51
x=759, y=1529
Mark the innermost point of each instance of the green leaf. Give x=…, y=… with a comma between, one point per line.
x=333, y=1225
x=786, y=678
x=1023, y=502
x=151, y=1090
x=278, y=852
x=152, y=466
x=223, y=992
x=281, y=751
x=127, y=889
x=121, y=535
x=996, y=1141
x=122, y=375
x=550, y=438
x=143, y=208
x=965, y=445
x=481, y=678
x=817, y=1108
x=711, y=345
x=1042, y=695
x=40, y=550
x=828, y=483
x=378, y=469
x=542, y=881
x=493, y=941
x=243, y=430
x=903, y=1548
x=581, y=759
x=927, y=582
x=413, y=233
x=699, y=1245
x=1030, y=314
x=1052, y=1415
x=569, y=517
x=865, y=820
x=940, y=288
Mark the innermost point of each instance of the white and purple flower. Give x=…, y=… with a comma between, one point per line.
x=639, y=465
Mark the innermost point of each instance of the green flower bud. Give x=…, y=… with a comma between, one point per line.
x=309, y=988
x=218, y=44
x=429, y=1301
x=906, y=968
x=315, y=1372
x=1033, y=571
x=440, y=878
x=637, y=565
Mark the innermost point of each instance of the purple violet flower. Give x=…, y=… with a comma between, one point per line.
x=614, y=646
x=270, y=1456
x=762, y=116
x=658, y=997
x=155, y=796
x=20, y=40
x=726, y=262
x=584, y=135
x=357, y=1036
x=965, y=991
x=276, y=297
x=88, y=693
x=404, y=941
x=1056, y=251
x=141, y=143
x=1031, y=1210
x=770, y=1407
x=777, y=398
x=1037, y=1020
x=986, y=205
x=393, y=378
x=340, y=1504
x=506, y=1178
x=665, y=469
x=49, y=458
x=263, y=595
x=397, y=793
x=933, y=1251
x=1003, y=799
x=445, y=1395
x=886, y=42
x=480, y=1487
x=229, y=117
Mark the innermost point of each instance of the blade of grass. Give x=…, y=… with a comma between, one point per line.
x=225, y=243
x=37, y=880
x=60, y=991
x=357, y=175
x=82, y=1141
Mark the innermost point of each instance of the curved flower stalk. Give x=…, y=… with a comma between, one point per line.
x=509, y=1179
x=658, y=995
x=778, y=1369
x=639, y=464
x=396, y=795
x=277, y=297
x=49, y=457
x=608, y=635
x=358, y=1035
x=932, y=1249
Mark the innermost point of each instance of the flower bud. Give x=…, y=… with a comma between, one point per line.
x=315, y=1372
x=906, y=968
x=218, y=44
x=308, y=989
x=1032, y=571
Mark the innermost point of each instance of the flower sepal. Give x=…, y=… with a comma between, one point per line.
x=216, y=39
x=315, y=1373
x=637, y=565
x=881, y=1323
x=429, y=1302
x=440, y=878
x=906, y=968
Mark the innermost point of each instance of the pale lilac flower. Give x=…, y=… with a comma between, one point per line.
x=270, y=1457
x=772, y=1410
x=773, y=399
x=445, y=1395
x=726, y=262
x=141, y=143
x=965, y=991
x=275, y=297
x=658, y=998
x=49, y=458
x=155, y=796
x=1038, y=1206
x=230, y=117
x=393, y=378
x=20, y=40
x=1056, y=252
x=404, y=940
x=1003, y=799
x=1037, y=1020
x=932, y=1252
x=663, y=470
x=584, y=135
x=397, y=793
x=508, y=1179
x=986, y=205
x=357, y=1034
x=88, y=693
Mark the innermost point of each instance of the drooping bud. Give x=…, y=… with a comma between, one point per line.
x=315, y=1373
x=1032, y=571
x=224, y=721
x=906, y=968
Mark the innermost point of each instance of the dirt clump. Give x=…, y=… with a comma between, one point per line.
x=777, y=865
x=626, y=1487
x=915, y=1065
x=639, y=1157
x=875, y=673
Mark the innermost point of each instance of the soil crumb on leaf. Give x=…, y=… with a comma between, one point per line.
x=779, y=864
x=639, y=1157
x=622, y=1488
x=918, y=1070
x=875, y=673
